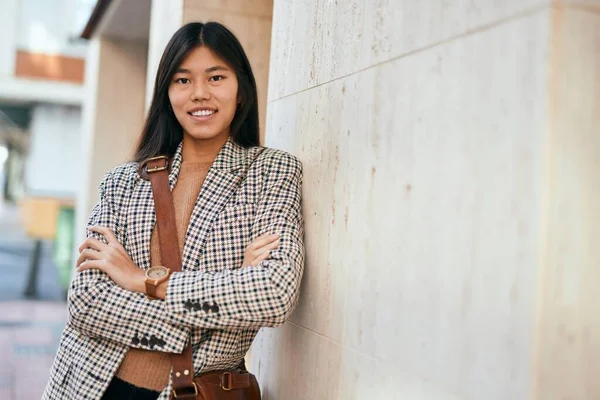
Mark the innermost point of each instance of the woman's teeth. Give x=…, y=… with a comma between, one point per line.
x=203, y=113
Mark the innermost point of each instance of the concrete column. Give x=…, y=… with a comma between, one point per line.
x=165, y=19
x=113, y=113
x=250, y=21
x=568, y=336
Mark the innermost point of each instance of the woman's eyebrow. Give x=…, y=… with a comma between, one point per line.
x=207, y=70
x=216, y=68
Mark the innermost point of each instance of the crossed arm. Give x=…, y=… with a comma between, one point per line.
x=106, y=296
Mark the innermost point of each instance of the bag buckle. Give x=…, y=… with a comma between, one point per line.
x=185, y=395
x=144, y=170
x=226, y=381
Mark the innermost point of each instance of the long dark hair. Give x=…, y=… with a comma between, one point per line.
x=162, y=132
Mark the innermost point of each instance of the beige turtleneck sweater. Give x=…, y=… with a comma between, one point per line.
x=145, y=368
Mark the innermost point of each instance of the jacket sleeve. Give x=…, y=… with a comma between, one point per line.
x=252, y=297
x=100, y=308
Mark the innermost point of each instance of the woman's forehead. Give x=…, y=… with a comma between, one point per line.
x=202, y=58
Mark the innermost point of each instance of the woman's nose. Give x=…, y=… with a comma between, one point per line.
x=200, y=91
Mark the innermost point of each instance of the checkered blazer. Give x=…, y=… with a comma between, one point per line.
x=213, y=301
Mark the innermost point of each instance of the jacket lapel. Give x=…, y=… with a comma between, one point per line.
x=222, y=181
x=141, y=217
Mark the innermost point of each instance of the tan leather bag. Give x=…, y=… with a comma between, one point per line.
x=236, y=384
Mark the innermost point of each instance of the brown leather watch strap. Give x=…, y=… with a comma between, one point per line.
x=151, y=291
x=156, y=170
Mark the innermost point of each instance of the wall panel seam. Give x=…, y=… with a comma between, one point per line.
x=340, y=344
x=480, y=29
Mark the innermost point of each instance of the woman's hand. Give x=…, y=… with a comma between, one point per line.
x=260, y=249
x=110, y=258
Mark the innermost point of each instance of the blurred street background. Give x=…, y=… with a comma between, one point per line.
x=32, y=310
x=42, y=62
x=31, y=317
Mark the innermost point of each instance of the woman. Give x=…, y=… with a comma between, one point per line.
x=239, y=227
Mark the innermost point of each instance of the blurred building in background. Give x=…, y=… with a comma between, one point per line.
x=42, y=64
x=42, y=61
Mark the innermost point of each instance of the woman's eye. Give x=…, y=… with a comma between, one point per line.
x=183, y=80
x=216, y=78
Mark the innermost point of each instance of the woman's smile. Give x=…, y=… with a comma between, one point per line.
x=202, y=114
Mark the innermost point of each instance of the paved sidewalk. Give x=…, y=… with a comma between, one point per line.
x=29, y=337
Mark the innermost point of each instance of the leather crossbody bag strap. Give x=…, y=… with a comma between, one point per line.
x=156, y=170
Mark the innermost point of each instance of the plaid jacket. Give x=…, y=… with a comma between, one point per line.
x=213, y=301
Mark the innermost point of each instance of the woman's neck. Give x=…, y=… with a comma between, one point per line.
x=202, y=151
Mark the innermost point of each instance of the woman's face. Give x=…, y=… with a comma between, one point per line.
x=204, y=95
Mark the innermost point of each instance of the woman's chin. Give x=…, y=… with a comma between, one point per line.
x=206, y=135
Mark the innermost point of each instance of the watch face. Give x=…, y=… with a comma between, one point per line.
x=157, y=272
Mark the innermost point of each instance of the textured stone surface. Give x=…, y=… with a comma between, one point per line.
x=422, y=187
x=320, y=40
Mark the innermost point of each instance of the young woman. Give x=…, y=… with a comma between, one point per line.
x=239, y=228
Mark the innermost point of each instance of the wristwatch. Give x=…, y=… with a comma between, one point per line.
x=154, y=277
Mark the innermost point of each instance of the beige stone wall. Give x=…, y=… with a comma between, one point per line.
x=444, y=145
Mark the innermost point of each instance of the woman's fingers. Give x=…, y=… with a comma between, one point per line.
x=269, y=246
x=262, y=241
x=264, y=252
x=87, y=254
x=92, y=243
x=261, y=257
x=106, y=232
x=111, y=239
x=91, y=264
x=260, y=249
